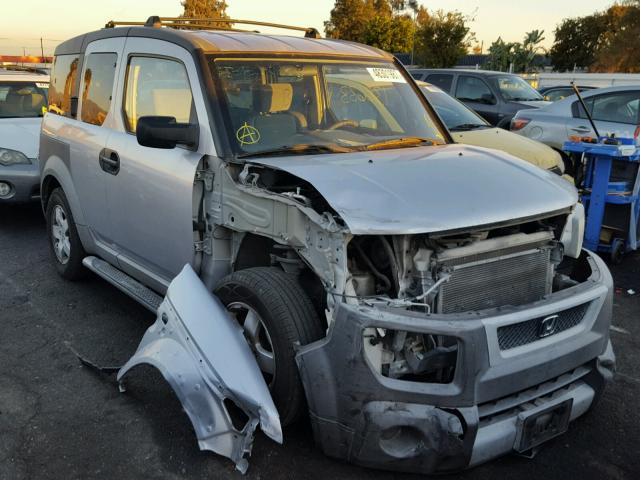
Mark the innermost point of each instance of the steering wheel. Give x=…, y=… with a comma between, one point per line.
x=344, y=123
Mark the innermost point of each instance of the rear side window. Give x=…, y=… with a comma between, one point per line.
x=157, y=87
x=63, y=80
x=473, y=89
x=618, y=107
x=441, y=80
x=97, y=88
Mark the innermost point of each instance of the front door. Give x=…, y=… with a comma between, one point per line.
x=151, y=196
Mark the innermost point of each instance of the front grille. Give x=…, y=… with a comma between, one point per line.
x=523, y=333
x=514, y=279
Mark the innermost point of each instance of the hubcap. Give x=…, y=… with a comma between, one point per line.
x=60, y=234
x=257, y=337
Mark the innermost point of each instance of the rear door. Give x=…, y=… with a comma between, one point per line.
x=102, y=60
x=614, y=113
x=477, y=95
x=152, y=193
x=444, y=81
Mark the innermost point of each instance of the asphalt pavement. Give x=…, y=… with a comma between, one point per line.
x=60, y=420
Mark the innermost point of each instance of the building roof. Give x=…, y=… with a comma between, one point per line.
x=226, y=41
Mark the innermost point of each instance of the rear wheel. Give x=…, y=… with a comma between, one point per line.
x=275, y=314
x=64, y=242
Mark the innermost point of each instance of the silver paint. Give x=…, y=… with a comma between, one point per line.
x=429, y=189
x=201, y=352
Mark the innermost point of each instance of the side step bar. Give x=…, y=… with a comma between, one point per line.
x=123, y=282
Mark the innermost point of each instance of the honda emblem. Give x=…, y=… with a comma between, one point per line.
x=548, y=326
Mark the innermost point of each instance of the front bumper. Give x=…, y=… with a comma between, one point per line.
x=363, y=417
x=24, y=181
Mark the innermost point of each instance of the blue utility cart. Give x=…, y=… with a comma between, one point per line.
x=609, y=191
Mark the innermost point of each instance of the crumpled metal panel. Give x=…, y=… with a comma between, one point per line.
x=428, y=189
x=201, y=352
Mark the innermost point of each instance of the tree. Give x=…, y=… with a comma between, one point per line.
x=577, y=41
x=618, y=50
x=520, y=56
x=349, y=18
x=442, y=38
x=392, y=34
x=205, y=9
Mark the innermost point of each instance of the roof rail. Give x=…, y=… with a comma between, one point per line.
x=209, y=24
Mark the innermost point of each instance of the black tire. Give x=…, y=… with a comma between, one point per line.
x=288, y=317
x=71, y=268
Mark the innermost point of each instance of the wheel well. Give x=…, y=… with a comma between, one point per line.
x=258, y=251
x=49, y=184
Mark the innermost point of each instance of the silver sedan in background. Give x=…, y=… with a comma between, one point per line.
x=615, y=110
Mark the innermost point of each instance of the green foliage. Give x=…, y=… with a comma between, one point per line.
x=619, y=49
x=349, y=18
x=577, y=41
x=606, y=41
x=392, y=34
x=442, y=38
x=521, y=55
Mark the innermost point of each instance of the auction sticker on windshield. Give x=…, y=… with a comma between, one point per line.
x=386, y=75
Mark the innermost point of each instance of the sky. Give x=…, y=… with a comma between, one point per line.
x=26, y=21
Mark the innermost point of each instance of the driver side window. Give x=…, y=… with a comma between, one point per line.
x=473, y=89
x=157, y=87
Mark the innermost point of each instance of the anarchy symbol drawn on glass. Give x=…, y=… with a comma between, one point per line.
x=247, y=135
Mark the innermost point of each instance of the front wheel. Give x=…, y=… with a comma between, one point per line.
x=64, y=242
x=276, y=314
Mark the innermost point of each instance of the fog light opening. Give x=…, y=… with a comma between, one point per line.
x=401, y=442
x=5, y=189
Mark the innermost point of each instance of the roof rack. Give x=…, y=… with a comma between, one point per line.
x=209, y=24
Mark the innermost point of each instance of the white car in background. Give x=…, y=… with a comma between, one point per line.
x=615, y=110
x=23, y=100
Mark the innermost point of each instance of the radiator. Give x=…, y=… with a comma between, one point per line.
x=511, y=270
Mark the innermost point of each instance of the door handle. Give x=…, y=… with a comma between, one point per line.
x=109, y=161
x=581, y=129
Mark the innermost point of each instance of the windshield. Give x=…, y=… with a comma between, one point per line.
x=314, y=106
x=455, y=115
x=22, y=99
x=515, y=89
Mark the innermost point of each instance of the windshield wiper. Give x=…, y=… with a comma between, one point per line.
x=468, y=126
x=523, y=99
x=299, y=149
x=401, y=142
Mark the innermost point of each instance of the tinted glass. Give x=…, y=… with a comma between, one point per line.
x=619, y=107
x=454, y=114
x=157, y=86
x=63, y=79
x=473, y=89
x=289, y=104
x=22, y=99
x=515, y=89
x=99, y=74
x=441, y=80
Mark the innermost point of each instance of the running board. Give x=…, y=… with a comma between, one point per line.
x=123, y=282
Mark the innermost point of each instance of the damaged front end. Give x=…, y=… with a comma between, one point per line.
x=445, y=343
x=201, y=352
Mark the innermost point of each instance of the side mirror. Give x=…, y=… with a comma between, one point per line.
x=488, y=99
x=165, y=132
